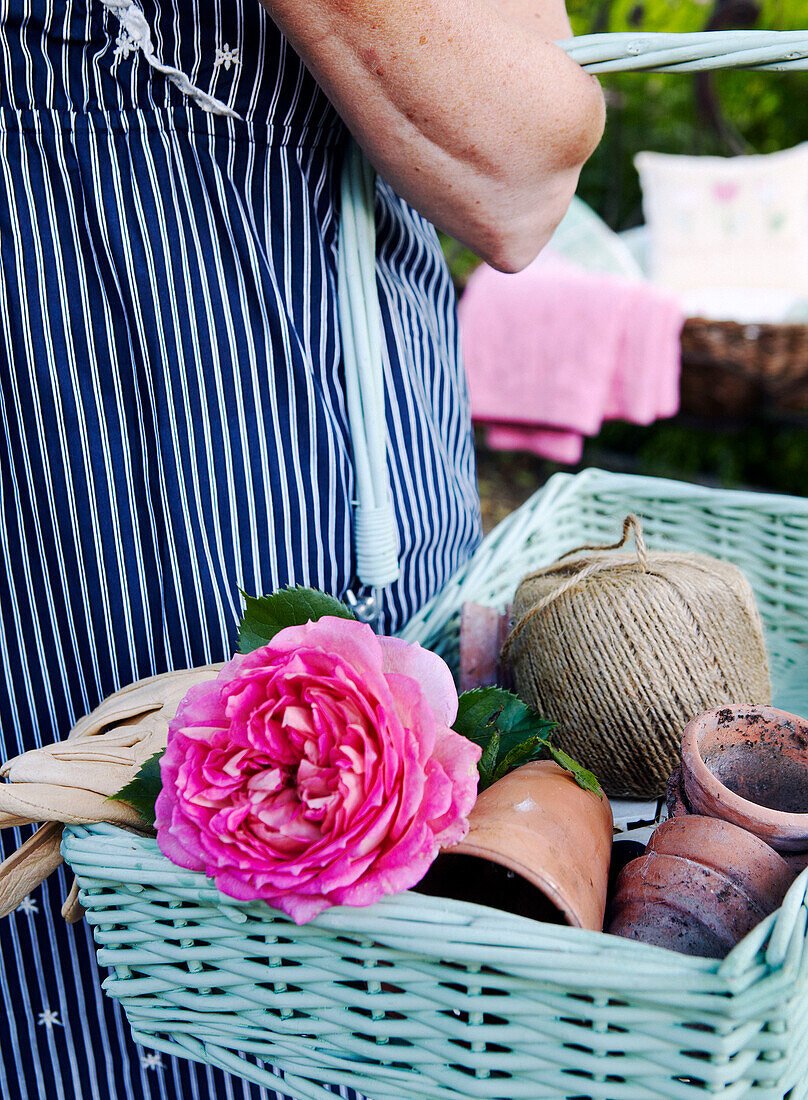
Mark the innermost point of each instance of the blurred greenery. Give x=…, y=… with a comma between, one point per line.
x=720, y=113
x=758, y=455
x=757, y=112
x=755, y=455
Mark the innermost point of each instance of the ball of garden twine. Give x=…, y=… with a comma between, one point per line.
x=622, y=650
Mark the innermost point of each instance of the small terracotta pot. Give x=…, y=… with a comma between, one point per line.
x=749, y=765
x=537, y=844
x=677, y=804
x=675, y=796
x=483, y=631
x=701, y=886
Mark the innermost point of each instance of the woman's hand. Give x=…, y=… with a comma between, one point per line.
x=466, y=107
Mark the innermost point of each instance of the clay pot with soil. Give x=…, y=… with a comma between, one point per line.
x=701, y=886
x=538, y=845
x=748, y=765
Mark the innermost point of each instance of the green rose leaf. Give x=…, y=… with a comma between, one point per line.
x=142, y=791
x=482, y=712
x=264, y=616
x=581, y=776
x=488, y=762
x=510, y=734
x=528, y=750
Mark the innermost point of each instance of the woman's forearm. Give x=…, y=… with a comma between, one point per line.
x=474, y=116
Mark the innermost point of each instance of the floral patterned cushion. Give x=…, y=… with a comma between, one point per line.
x=727, y=221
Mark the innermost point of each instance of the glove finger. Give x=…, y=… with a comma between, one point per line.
x=112, y=745
x=51, y=802
x=101, y=778
x=12, y=821
x=30, y=865
x=161, y=693
x=73, y=910
x=118, y=748
x=103, y=773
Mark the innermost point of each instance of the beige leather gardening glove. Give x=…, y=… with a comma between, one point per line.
x=70, y=782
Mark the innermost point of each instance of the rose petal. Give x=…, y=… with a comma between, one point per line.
x=179, y=842
x=431, y=671
x=355, y=642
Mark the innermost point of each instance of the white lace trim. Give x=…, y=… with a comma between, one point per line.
x=136, y=35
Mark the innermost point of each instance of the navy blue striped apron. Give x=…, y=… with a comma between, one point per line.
x=173, y=422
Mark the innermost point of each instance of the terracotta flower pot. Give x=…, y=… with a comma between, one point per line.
x=677, y=804
x=483, y=631
x=701, y=886
x=675, y=795
x=749, y=765
x=537, y=845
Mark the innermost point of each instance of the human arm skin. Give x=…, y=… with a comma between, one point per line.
x=466, y=107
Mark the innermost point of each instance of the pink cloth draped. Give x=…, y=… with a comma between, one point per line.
x=554, y=351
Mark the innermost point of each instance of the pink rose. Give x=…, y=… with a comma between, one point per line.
x=318, y=770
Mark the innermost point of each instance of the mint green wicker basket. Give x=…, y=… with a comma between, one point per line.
x=418, y=998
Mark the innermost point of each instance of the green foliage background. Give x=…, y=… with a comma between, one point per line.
x=763, y=111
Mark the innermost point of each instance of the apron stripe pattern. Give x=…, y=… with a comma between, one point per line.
x=173, y=416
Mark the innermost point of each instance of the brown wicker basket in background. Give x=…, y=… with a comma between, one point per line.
x=731, y=369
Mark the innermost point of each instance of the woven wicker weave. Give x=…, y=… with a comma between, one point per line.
x=417, y=999
x=734, y=369
x=422, y=999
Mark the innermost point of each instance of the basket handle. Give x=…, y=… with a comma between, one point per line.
x=375, y=529
x=778, y=51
